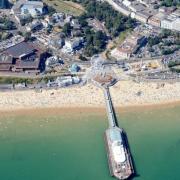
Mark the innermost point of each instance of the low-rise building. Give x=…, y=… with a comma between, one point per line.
x=141, y=16
x=156, y=19
x=129, y=46
x=72, y=44
x=34, y=8
x=126, y=3
x=53, y=61
x=75, y=24
x=5, y=62
x=56, y=42
x=34, y=26
x=176, y=13
x=167, y=10
x=64, y=81
x=120, y=7
x=23, y=57
x=58, y=17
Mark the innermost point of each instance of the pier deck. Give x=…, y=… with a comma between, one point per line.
x=118, y=153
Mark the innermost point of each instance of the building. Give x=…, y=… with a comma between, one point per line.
x=122, y=52
x=74, y=68
x=64, y=81
x=129, y=46
x=171, y=22
x=136, y=7
x=118, y=149
x=176, y=24
x=176, y=13
x=75, y=24
x=34, y=26
x=148, y=3
x=53, y=61
x=56, y=42
x=126, y=3
x=22, y=57
x=34, y=8
x=72, y=44
x=120, y=7
x=5, y=62
x=16, y=9
x=167, y=10
x=141, y=16
x=156, y=19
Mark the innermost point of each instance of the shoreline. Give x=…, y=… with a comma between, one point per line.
x=125, y=95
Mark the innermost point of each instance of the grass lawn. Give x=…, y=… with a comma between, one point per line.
x=66, y=6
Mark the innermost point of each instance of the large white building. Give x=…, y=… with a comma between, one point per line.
x=171, y=22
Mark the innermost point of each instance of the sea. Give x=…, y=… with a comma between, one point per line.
x=69, y=145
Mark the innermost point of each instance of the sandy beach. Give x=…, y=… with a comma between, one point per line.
x=126, y=93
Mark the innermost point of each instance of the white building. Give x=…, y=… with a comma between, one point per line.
x=171, y=22
x=72, y=44
x=127, y=3
x=117, y=146
x=52, y=61
x=34, y=8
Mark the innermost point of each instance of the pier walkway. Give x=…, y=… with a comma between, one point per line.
x=109, y=108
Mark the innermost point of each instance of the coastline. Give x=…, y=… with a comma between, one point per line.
x=125, y=95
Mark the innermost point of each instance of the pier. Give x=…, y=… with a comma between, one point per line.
x=118, y=153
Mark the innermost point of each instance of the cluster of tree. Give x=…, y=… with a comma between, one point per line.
x=169, y=50
x=49, y=9
x=153, y=41
x=169, y=3
x=27, y=36
x=26, y=20
x=114, y=21
x=95, y=42
x=166, y=33
x=6, y=24
x=173, y=65
x=5, y=35
x=67, y=28
x=163, y=39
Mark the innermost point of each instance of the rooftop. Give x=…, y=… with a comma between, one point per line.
x=20, y=49
x=5, y=59
x=115, y=135
x=33, y=4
